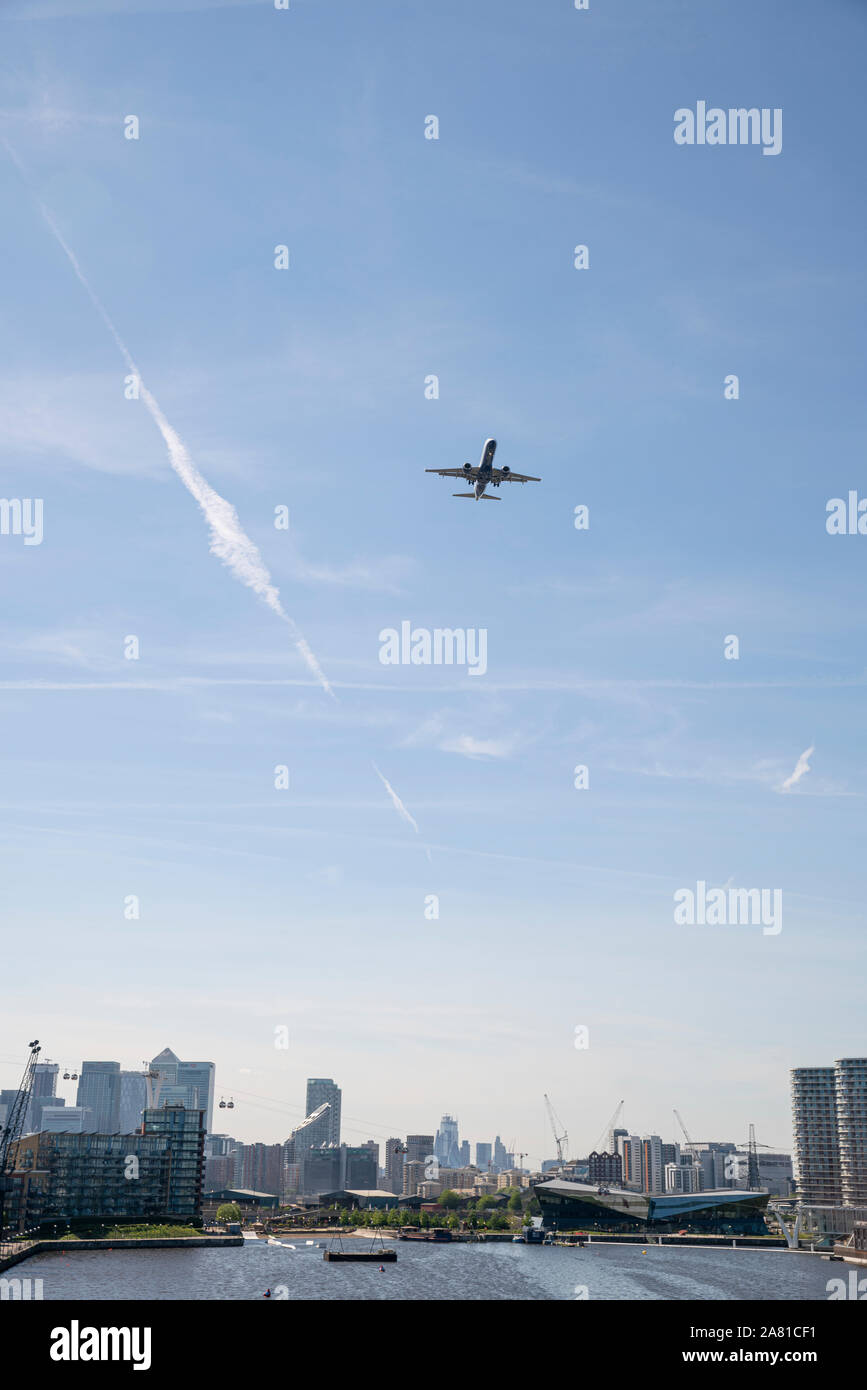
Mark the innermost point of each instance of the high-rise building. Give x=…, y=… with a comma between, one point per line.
x=652, y=1174
x=133, y=1099
x=393, y=1164
x=464, y=1153
x=374, y=1149
x=99, y=1092
x=258, y=1168
x=419, y=1147
x=484, y=1154
x=850, y=1085
x=44, y=1092
x=500, y=1157
x=447, y=1145
x=630, y=1152
x=190, y=1084
x=817, y=1145
x=613, y=1136
x=321, y=1090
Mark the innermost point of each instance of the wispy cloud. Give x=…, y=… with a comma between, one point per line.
x=801, y=766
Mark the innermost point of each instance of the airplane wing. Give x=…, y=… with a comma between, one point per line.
x=501, y=475
x=471, y=473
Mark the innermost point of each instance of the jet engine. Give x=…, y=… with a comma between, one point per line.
x=505, y=471
x=467, y=467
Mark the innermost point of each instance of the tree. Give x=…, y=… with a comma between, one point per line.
x=514, y=1202
x=449, y=1199
x=229, y=1211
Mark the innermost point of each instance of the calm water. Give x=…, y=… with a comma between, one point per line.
x=447, y=1272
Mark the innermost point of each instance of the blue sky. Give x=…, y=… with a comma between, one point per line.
x=453, y=257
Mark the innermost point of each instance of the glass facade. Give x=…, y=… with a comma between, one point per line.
x=571, y=1206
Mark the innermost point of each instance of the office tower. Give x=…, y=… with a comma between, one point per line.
x=670, y=1154
x=358, y=1168
x=652, y=1176
x=499, y=1156
x=775, y=1173
x=817, y=1147
x=374, y=1149
x=464, y=1153
x=446, y=1145
x=190, y=1084
x=681, y=1177
x=43, y=1092
x=133, y=1099
x=850, y=1085
x=99, y=1092
x=321, y=1090
x=483, y=1157
x=393, y=1164
x=312, y=1133
x=419, y=1147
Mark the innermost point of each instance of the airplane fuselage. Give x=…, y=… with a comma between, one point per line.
x=486, y=463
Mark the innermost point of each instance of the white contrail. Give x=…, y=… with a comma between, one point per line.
x=229, y=542
x=395, y=800
x=801, y=766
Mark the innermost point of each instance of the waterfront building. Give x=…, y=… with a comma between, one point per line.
x=133, y=1099
x=578, y=1206
x=321, y=1090
x=338, y=1167
x=190, y=1084
x=64, y=1178
x=99, y=1092
x=817, y=1144
x=850, y=1086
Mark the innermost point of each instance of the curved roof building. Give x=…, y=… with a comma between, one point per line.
x=579, y=1206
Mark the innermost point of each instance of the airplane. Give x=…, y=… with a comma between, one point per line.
x=485, y=474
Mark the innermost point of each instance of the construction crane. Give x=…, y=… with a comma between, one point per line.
x=612, y=1124
x=561, y=1140
x=11, y=1131
x=689, y=1144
